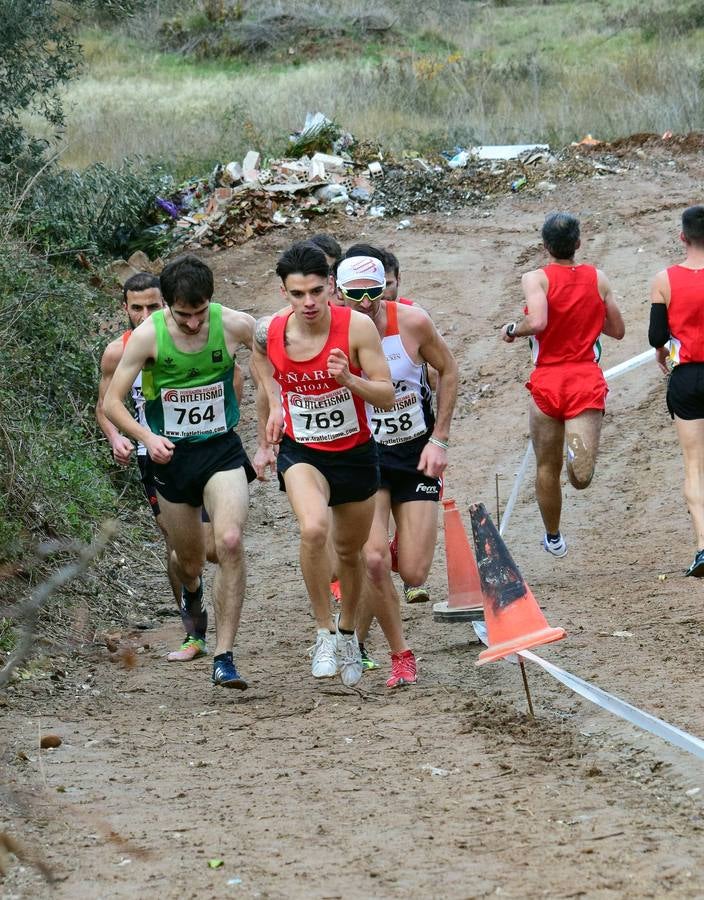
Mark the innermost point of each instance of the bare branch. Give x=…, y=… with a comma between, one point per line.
x=29, y=611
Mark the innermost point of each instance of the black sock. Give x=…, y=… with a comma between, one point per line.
x=344, y=631
x=553, y=537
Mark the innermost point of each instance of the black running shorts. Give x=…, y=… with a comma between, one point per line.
x=685, y=391
x=353, y=475
x=148, y=484
x=405, y=486
x=184, y=477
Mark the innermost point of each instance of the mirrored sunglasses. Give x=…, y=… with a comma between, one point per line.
x=357, y=295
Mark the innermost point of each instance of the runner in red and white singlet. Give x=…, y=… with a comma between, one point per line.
x=677, y=316
x=319, y=365
x=407, y=564
x=568, y=307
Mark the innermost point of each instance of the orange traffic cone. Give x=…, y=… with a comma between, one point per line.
x=465, y=598
x=513, y=618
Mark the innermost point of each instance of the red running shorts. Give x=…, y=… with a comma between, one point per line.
x=566, y=390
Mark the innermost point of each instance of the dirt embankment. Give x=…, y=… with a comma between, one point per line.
x=446, y=789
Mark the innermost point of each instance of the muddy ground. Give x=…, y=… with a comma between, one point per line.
x=447, y=789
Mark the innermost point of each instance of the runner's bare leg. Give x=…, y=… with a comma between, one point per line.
x=183, y=526
x=226, y=498
x=548, y=437
x=351, y=525
x=379, y=596
x=308, y=493
x=582, y=436
x=691, y=435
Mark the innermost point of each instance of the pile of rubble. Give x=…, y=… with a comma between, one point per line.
x=239, y=200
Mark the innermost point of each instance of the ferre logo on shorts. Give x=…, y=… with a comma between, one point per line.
x=426, y=488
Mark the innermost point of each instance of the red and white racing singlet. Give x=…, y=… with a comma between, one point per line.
x=411, y=415
x=318, y=412
x=685, y=314
x=576, y=313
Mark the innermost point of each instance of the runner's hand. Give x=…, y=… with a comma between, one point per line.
x=433, y=461
x=265, y=458
x=275, y=425
x=159, y=448
x=122, y=448
x=661, y=355
x=509, y=338
x=338, y=366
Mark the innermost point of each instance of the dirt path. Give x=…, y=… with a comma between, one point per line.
x=311, y=790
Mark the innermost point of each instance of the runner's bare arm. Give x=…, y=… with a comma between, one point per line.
x=535, y=291
x=613, y=320
x=140, y=348
x=269, y=410
x=365, y=344
x=434, y=350
x=122, y=447
x=238, y=327
x=659, y=331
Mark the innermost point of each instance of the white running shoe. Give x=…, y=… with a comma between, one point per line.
x=556, y=548
x=349, y=659
x=324, y=655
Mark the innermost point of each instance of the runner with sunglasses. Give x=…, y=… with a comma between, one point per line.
x=413, y=446
x=319, y=364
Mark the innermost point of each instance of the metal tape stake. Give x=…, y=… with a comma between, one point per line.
x=525, y=686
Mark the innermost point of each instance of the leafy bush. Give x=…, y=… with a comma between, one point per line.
x=53, y=476
x=98, y=210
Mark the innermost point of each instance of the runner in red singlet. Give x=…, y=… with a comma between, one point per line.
x=568, y=307
x=319, y=365
x=677, y=316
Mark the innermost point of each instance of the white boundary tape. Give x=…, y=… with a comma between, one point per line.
x=611, y=704
x=609, y=374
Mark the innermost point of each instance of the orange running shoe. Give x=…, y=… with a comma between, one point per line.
x=336, y=591
x=403, y=669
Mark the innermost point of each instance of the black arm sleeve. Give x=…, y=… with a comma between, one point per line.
x=659, y=331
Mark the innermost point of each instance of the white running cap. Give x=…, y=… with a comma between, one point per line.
x=360, y=267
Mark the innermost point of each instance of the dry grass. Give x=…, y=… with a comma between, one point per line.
x=526, y=71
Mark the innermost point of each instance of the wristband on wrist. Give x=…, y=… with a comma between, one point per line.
x=511, y=329
x=438, y=443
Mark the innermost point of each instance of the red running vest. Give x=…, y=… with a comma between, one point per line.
x=318, y=412
x=685, y=314
x=576, y=313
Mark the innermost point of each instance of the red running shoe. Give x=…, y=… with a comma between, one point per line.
x=393, y=550
x=403, y=669
x=336, y=591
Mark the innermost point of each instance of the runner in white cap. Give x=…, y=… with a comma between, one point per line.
x=413, y=446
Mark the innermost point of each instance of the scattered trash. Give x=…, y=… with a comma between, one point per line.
x=215, y=863
x=621, y=634
x=327, y=168
x=692, y=792
x=460, y=160
x=434, y=771
x=506, y=151
x=662, y=577
x=234, y=881
x=404, y=223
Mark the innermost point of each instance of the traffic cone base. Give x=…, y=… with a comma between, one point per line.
x=523, y=642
